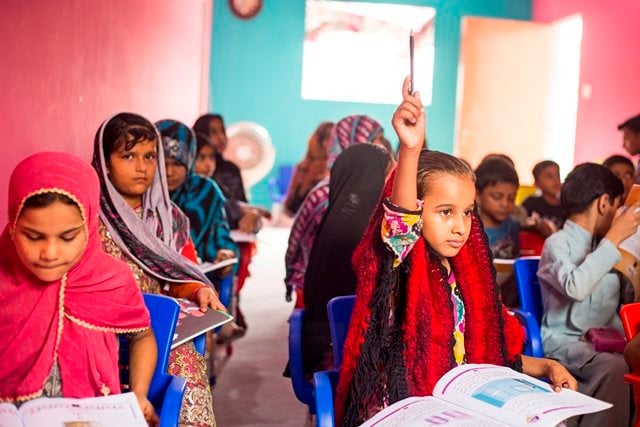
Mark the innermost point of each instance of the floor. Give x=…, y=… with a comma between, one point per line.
x=251, y=390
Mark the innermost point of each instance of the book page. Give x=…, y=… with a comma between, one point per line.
x=241, y=237
x=108, y=411
x=514, y=398
x=9, y=416
x=193, y=322
x=427, y=411
x=211, y=266
x=629, y=266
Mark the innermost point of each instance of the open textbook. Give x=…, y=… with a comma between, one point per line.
x=629, y=248
x=478, y=395
x=107, y=411
x=211, y=266
x=193, y=322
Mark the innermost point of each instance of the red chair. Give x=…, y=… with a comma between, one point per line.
x=630, y=315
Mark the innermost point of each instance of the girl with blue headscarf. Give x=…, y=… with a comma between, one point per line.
x=199, y=197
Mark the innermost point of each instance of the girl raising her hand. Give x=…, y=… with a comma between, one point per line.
x=427, y=298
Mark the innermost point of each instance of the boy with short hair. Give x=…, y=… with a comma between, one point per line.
x=546, y=207
x=496, y=187
x=580, y=291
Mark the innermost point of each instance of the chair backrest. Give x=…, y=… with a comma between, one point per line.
x=630, y=316
x=533, y=341
x=339, y=310
x=526, y=270
x=302, y=388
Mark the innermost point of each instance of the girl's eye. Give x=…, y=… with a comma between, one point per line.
x=468, y=212
x=151, y=156
x=33, y=237
x=68, y=238
x=445, y=212
x=127, y=156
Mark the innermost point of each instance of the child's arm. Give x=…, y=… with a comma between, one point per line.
x=546, y=368
x=143, y=354
x=577, y=281
x=409, y=124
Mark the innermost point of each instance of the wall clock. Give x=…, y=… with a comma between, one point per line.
x=245, y=9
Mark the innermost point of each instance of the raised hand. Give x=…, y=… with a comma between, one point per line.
x=409, y=120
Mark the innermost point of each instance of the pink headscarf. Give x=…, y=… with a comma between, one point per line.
x=72, y=321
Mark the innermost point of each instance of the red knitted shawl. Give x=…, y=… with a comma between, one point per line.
x=491, y=334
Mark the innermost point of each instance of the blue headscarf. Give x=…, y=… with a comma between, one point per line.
x=199, y=197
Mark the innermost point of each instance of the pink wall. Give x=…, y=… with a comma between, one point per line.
x=610, y=64
x=68, y=65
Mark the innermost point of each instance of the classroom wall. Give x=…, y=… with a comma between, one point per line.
x=68, y=65
x=609, y=70
x=256, y=73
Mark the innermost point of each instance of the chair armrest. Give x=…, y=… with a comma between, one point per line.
x=172, y=402
x=325, y=383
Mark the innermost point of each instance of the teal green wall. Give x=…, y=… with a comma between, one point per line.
x=256, y=73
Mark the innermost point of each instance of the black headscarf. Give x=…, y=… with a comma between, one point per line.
x=357, y=180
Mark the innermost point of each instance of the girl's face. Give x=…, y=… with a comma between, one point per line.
x=176, y=173
x=131, y=171
x=50, y=240
x=218, y=135
x=446, y=213
x=206, y=161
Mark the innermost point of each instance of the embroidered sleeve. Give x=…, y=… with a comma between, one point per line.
x=401, y=229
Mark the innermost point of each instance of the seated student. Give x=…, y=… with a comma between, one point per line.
x=546, y=208
x=580, y=290
x=622, y=167
x=141, y=226
x=351, y=130
x=426, y=300
x=357, y=178
x=496, y=187
x=63, y=299
x=197, y=196
x=311, y=170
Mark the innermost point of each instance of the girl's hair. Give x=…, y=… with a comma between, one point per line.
x=202, y=123
x=434, y=164
x=127, y=129
x=43, y=200
x=202, y=140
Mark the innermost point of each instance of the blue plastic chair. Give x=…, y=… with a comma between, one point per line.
x=526, y=270
x=302, y=388
x=166, y=391
x=326, y=383
x=533, y=341
x=339, y=310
